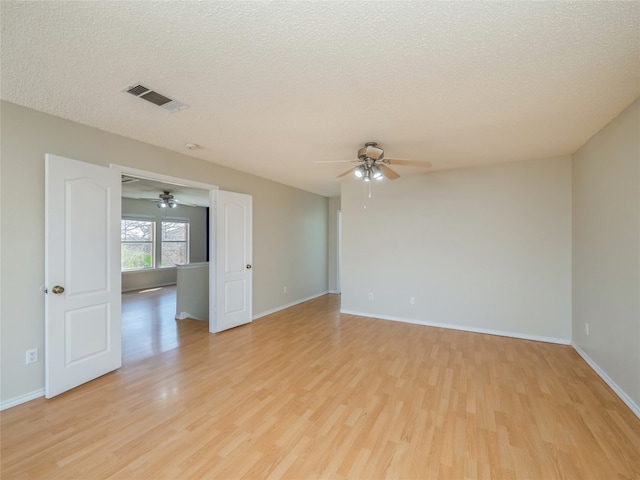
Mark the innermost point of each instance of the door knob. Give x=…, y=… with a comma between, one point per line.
x=57, y=289
x=248, y=266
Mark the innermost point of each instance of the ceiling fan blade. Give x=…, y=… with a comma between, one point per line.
x=412, y=163
x=335, y=161
x=390, y=174
x=373, y=151
x=344, y=174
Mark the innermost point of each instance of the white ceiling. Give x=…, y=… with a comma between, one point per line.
x=275, y=86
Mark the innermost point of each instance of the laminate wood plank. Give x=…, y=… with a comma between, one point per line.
x=309, y=393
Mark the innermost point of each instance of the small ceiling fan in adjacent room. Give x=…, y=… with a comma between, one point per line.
x=373, y=165
x=166, y=200
x=163, y=194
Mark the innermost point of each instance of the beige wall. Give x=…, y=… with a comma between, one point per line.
x=289, y=227
x=197, y=241
x=606, y=251
x=485, y=249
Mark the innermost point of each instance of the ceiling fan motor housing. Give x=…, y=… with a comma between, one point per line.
x=372, y=151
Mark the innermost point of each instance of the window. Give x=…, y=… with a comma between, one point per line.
x=140, y=247
x=137, y=242
x=174, y=246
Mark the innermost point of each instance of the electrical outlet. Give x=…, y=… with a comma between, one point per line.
x=370, y=295
x=586, y=328
x=32, y=356
x=412, y=300
x=285, y=289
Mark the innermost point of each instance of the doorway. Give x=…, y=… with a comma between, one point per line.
x=83, y=230
x=149, y=296
x=229, y=244
x=163, y=225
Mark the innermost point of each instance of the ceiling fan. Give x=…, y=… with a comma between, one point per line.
x=166, y=200
x=373, y=165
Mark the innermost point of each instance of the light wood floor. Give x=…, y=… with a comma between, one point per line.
x=308, y=393
x=148, y=323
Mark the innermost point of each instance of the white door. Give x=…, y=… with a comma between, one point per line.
x=82, y=273
x=233, y=260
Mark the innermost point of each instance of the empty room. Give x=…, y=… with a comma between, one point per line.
x=290, y=239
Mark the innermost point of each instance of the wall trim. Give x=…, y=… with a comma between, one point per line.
x=146, y=287
x=336, y=292
x=282, y=307
x=486, y=331
x=160, y=177
x=15, y=401
x=147, y=270
x=185, y=315
x=608, y=380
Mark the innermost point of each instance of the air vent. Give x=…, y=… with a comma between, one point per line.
x=144, y=93
x=138, y=90
x=155, y=98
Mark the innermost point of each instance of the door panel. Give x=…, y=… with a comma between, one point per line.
x=233, y=260
x=92, y=325
x=82, y=255
x=87, y=206
x=235, y=300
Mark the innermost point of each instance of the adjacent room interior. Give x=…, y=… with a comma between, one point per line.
x=156, y=236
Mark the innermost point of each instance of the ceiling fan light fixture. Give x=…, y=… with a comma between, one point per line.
x=166, y=200
x=374, y=165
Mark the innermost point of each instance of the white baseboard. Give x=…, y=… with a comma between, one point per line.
x=12, y=402
x=608, y=380
x=336, y=292
x=282, y=307
x=185, y=315
x=486, y=331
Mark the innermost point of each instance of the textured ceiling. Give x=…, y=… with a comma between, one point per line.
x=275, y=86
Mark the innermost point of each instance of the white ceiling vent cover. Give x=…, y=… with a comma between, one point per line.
x=145, y=93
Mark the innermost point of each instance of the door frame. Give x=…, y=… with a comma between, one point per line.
x=339, y=251
x=213, y=189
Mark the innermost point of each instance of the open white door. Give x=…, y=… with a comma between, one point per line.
x=82, y=273
x=233, y=260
